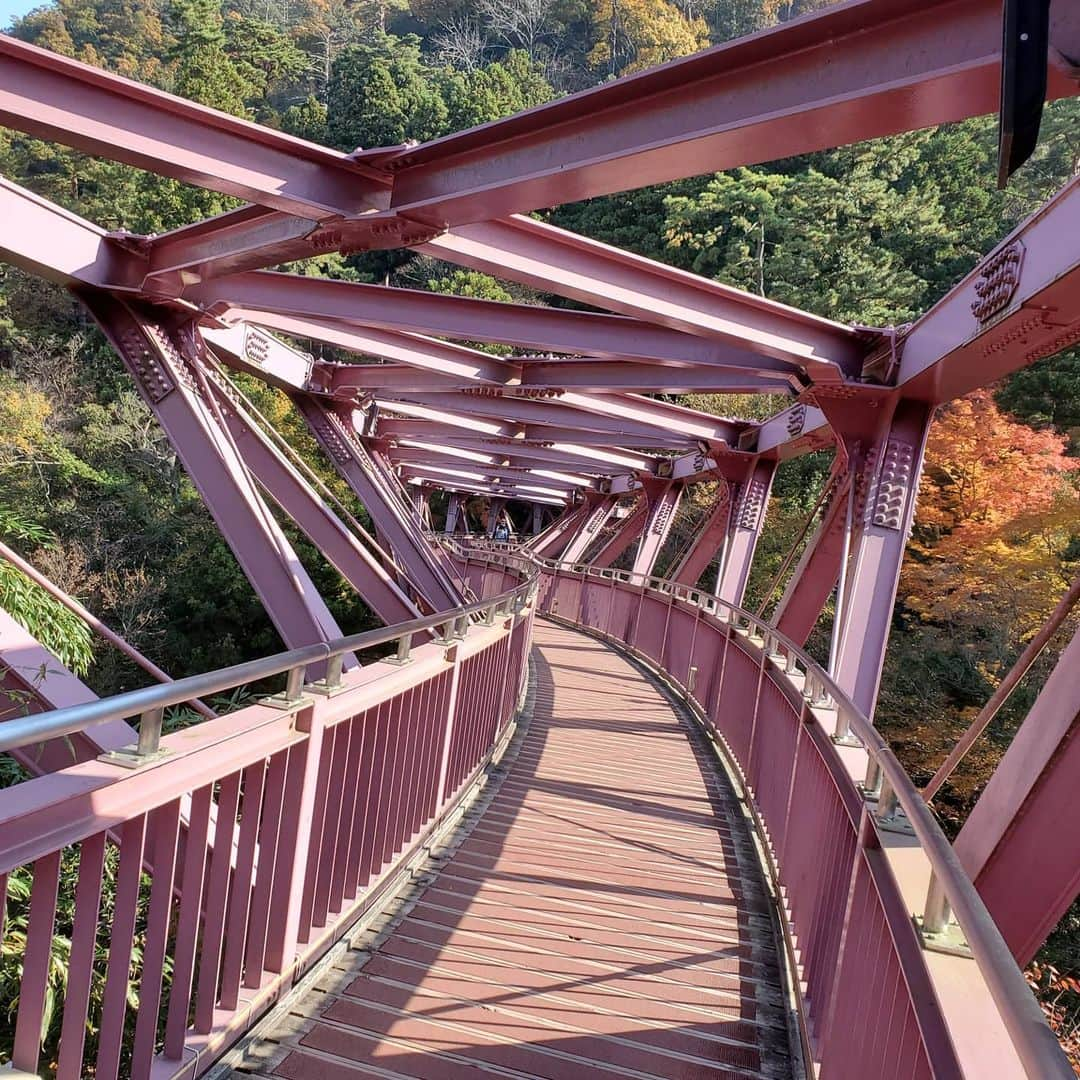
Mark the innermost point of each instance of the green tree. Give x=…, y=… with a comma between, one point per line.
x=495, y=90
x=204, y=70
x=851, y=245
x=1047, y=393
x=265, y=57
x=306, y=120
x=382, y=95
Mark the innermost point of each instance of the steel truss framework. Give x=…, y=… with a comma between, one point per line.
x=567, y=417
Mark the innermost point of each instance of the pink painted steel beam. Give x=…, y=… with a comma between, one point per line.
x=590, y=376
x=316, y=519
x=551, y=543
x=241, y=296
x=33, y=681
x=427, y=358
x=50, y=242
x=248, y=348
x=1020, y=303
x=453, y=507
x=877, y=551
x=744, y=530
x=708, y=461
x=815, y=575
x=495, y=472
x=621, y=539
x=856, y=71
x=449, y=483
x=155, y=356
x=482, y=414
x=1013, y=845
x=492, y=466
x=802, y=427
x=495, y=508
x=481, y=477
x=556, y=524
x=600, y=508
x=707, y=541
x=504, y=455
x=419, y=495
x=425, y=423
x=622, y=416
x=58, y=99
x=639, y=377
x=743, y=85
x=662, y=500
x=552, y=260
x=580, y=460
x=594, y=460
x=794, y=431
x=337, y=439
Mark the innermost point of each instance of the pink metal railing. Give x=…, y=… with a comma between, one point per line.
x=211, y=877
x=872, y=897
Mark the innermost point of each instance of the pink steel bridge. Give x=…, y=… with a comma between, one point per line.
x=695, y=856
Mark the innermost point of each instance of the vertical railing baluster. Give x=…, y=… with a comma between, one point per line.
x=121, y=939
x=35, y=962
x=164, y=829
x=69, y=1064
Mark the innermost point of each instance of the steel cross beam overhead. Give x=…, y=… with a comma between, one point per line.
x=856, y=71
x=496, y=473
x=860, y=70
x=550, y=259
x=447, y=454
x=474, y=484
x=539, y=329
x=545, y=373
x=588, y=446
x=419, y=362
x=498, y=467
x=53, y=97
x=622, y=416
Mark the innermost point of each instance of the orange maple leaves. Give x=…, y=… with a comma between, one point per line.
x=998, y=520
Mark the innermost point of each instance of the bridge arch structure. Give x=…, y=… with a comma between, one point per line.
x=242, y=852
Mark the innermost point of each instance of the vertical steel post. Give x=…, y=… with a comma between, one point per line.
x=662, y=498
x=453, y=508
x=496, y=505
x=601, y=508
x=877, y=551
x=744, y=530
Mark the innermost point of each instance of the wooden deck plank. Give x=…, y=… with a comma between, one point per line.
x=605, y=917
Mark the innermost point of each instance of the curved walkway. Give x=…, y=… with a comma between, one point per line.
x=604, y=918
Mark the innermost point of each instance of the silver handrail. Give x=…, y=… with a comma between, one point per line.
x=149, y=702
x=1036, y=1045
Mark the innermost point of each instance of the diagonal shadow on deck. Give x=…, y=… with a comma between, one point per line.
x=604, y=918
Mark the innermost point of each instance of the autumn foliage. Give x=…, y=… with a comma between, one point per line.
x=998, y=509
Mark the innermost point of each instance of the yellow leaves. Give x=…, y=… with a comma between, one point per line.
x=23, y=415
x=983, y=467
x=997, y=520
x=632, y=35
